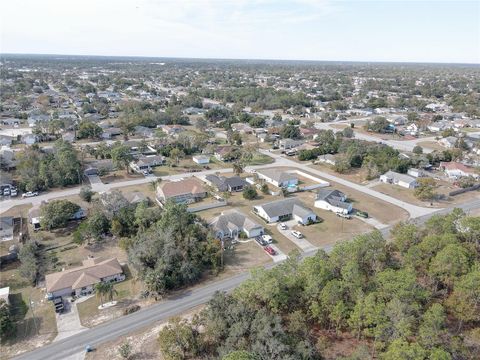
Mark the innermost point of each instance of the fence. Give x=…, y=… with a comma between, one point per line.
x=461, y=191
x=213, y=205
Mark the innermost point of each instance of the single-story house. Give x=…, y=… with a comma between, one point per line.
x=147, y=162
x=222, y=183
x=110, y=132
x=242, y=128
x=449, y=141
x=221, y=152
x=80, y=281
x=333, y=200
x=136, y=197
x=185, y=191
x=201, y=159
x=144, y=131
x=11, y=121
x=68, y=136
x=6, y=228
x=457, y=170
x=277, y=177
x=172, y=129
x=30, y=139
x=327, y=159
x=416, y=172
x=285, y=209
x=4, y=294
x=286, y=144
x=6, y=140
x=232, y=222
x=34, y=118
x=403, y=180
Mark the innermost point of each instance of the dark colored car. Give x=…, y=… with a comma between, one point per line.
x=270, y=250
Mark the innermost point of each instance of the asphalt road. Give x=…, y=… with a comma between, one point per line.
x=170, y=307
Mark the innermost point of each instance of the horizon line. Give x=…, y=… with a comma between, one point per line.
x=245, y=59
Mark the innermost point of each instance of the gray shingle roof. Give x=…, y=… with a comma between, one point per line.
x=285, y=207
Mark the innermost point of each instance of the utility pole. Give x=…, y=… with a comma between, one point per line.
x=32, y=306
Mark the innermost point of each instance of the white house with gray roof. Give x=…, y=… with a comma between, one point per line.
x=403, y=180
x=285, y=209
x=277, y=177
x=231, y=223
x=333, y=200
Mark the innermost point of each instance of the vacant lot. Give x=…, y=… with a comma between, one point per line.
x=34, y=315
x=357, y=176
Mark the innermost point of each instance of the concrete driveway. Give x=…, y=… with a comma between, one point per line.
x=68, y=322
x=302, y=243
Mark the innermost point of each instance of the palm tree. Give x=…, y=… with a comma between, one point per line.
x=111, y=291
x=100, y=290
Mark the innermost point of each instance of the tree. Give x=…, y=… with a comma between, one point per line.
x=417, y=150
x=121, y=156
x=56, y=213
x=402, y=350
x=348, y=132
x=178, y=340
x=176, y=154
x=6, y=323
x=29, y=261
x=125, y=350
x=201, y=124
x=101, y=289
x=264, y=189
x=240, y=355
x=88, y=129
x=425, y=189
x=378, y=124
x=113, y=201
x=237, y=168
x=464, y=301
x=290, y=132
x=432, y=327
x=86, y=193
x=450, y=263
x=249, y=193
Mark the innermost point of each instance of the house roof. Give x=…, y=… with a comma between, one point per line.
x=6, y=223
x=185, y=186
x=456, y=166
x=285, y=206
x=333, y=197
x=231, y=220
x=4, y=292
x=92, y=272
x=400, y=177
x=276, y=175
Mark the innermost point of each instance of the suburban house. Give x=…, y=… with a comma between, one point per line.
x=327, y=159
x=147, y=162
x=185, y=191
x=440, y=126
x=4, y=294
x=232, y=222
x=30, y=139
x=416, y=172
x=6, y=140
x=136, y=197
x=80, y=281
x=201, y=159
x=287, y=144
x=403, y=180
x=222, y=183
x=332, y=200
x=34, y=118
x=242, y=128
x=6, y=228
x=172, y=129
x=68, y=136
x=277, y=177
x=221, y=152
x=110, y=132
x=457, y=170
x=449, y=141
x=285, y=209
x=412, y=129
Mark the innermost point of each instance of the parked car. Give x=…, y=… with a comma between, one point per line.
x=267, y=239
x=283, y=226
x=13, y=191
x=58, y=303
x=260, y=241
x=29, y=194
x=297, y=234
x=270, y=250
x=362, y=214
x=6, y=191
x=345, y=216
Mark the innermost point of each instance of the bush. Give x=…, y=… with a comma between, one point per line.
x=86, y=193
x=249, y=193
x=264, y=189
x=131, y=309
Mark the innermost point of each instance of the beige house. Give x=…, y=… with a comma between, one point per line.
x=80, y=281
x=185, y=191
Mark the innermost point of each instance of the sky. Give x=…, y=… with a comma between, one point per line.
x=333, y=30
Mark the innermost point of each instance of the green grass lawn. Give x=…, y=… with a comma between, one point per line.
x=261, y=159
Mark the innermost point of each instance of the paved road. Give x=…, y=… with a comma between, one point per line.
x=168, y=308
x=402, y=145
x=413, y=210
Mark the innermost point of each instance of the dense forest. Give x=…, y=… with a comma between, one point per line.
x=416, y=297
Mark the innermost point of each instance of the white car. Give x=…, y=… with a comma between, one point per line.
x=297, y=234
x=283, y=226
x=267, y=238
x=345, y=216
x=29, y=194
